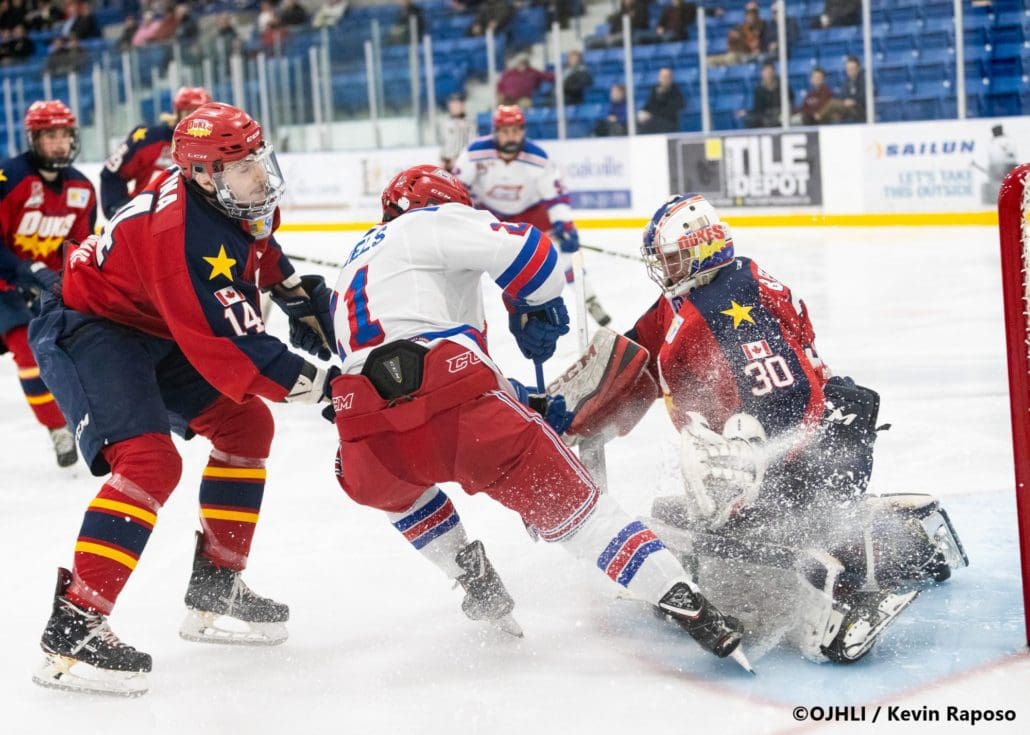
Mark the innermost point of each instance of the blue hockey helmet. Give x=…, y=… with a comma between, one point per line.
x=684, y=242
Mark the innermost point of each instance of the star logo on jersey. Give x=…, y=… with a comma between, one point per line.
x=739, y=313
x=139, y=135
x=221, y=264
x=3, y=176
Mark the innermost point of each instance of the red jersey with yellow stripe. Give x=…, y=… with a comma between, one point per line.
x=37, y=216
x=738, y=344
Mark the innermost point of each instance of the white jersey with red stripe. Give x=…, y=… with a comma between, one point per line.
x=419, y=276
x=528, y=188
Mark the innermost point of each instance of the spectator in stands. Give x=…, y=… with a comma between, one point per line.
x=676, y=20
x=66, y=56
x=744, y=41
x=17, y=47
x=816, y=99
x=292, y=13
x=560, y=11
x=661, y=112
x=765, y=109
x=577, y=79
x=454, y=131
x=400, y=31
x=186, y=29
x=849, y=104
x=79, y=19
x=639, y=23
x=157, y=26
x=43, y=15
x=614, y=123
x=520, y=81
x=493, y=14
x=129, y=28
x=839, y=13
x=266, y=14
x=12, y=14
x=770, y=32
x=274, y=37
x=329, y=14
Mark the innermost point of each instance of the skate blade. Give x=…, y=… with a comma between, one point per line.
x=508, y=625
x=740, y=658
x=890, y=609
x=70, y=675
x=207, y=627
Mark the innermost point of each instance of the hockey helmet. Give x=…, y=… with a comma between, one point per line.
x=685, y=243
x=188, y=99
x=422, y=186
x=509, y=129
x=227, y=145
x=44, y=116
x=506, y=115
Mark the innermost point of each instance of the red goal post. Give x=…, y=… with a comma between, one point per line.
x=1014, y=233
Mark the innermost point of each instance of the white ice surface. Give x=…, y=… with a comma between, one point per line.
x=378, y=643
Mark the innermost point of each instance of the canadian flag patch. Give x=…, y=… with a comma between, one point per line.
x=756, y=350
x=228, y=296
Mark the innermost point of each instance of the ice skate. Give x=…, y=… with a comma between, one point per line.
x=64, y=446
x=866, y=616
x=597, y=312
x=485, y=596
x=84, y=655
x=223, y=609
x=720, y=634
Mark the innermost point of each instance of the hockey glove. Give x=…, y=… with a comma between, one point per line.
x=566, y=235
x=313, y=385
x=36, y=276
x=551, y=407
x=537, y=327
x=311, y=323
x=722, y=473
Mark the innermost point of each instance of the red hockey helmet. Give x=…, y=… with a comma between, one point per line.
x=224, y=145
x=506, y=115
x=51, y=115
x=422, y=186
x=188, y=99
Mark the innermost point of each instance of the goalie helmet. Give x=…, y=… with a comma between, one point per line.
x=45, y=116
x=188, y=99
x=422, y=186
x=224, y=145
x=685, y=243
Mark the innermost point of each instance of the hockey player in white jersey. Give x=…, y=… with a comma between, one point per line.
x=420, y=402
x=514, y=178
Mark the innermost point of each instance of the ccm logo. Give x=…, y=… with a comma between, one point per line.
x=462, y=361
x=343, y=403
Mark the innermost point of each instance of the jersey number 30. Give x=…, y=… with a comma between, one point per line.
x=772, y=372
x=364, y=330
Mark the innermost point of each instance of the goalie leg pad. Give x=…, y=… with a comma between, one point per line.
x=916, y=541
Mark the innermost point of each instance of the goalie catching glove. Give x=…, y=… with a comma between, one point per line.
x=305, y=301
x=722, y=472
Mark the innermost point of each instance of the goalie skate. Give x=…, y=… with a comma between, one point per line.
x=868, y=615
x=486, y=598
x=223, y=609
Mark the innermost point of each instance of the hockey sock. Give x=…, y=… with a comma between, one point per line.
x=38, y=396
x=233, y=483
x=230, y=501
x=433, y=527
x=118, y=522
x=626, y=550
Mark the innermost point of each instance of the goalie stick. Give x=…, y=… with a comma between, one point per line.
x=591, y=450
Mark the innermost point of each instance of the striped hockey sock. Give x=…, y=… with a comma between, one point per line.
x=230, y=503
x=433, y=527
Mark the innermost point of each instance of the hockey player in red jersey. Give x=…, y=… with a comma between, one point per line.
x=145, y=152
x=513, y=177
x=421, y=402
x=159, y=331
x=776, y=453
x=44, y=200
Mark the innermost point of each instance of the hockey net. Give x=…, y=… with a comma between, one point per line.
x=1014, y=230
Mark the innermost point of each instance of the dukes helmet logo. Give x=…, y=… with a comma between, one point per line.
x=199, y=128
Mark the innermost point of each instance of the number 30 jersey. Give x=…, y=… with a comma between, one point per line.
x=419, y=276
x=736, y=345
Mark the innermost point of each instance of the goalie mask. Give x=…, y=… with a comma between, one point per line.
x=223, y=151
x=52, y=133
x=685, y=243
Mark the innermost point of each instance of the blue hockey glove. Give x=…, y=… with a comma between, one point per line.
x=552, y=408
x=537, y=327
x=35, y=275
x=566, y=235
x=314, y=302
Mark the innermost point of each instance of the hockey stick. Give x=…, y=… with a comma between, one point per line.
x=314, y=261
x=591, y=451
x=612, y=253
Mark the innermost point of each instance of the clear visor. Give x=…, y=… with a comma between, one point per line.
x=251, y=187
